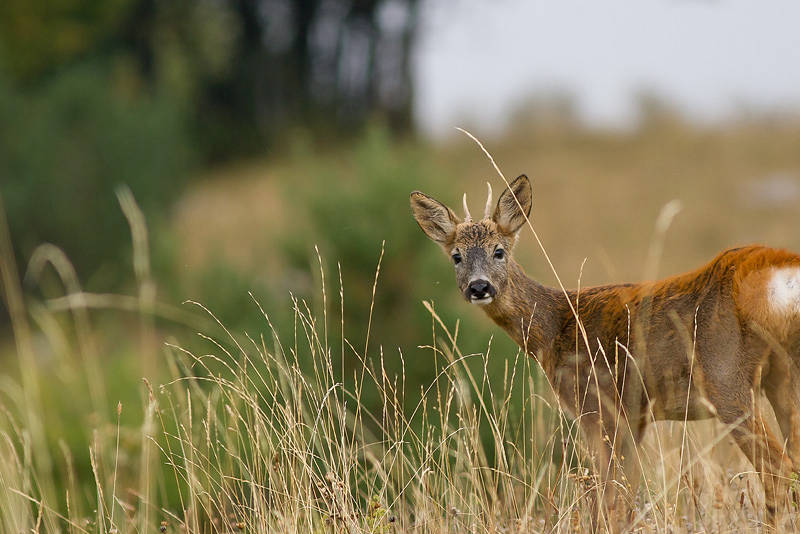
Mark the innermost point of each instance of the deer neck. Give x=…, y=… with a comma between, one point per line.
x=529, y=312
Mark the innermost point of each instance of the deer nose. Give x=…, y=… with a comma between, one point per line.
x=480, y=289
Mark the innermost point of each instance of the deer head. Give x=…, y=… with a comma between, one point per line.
x=480, y=250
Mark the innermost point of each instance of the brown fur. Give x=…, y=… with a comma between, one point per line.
x=691, y=346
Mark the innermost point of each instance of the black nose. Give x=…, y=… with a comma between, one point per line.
x=479, y=289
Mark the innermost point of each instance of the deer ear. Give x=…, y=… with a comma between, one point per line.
x=514, y=205
x=436, y=220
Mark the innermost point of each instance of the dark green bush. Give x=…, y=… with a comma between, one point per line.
x=64, y=148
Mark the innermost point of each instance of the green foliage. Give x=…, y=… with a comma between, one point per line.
x=353, y=208
x=377, y=519
x=65, y=147
x=224, y=290
x=38, y=35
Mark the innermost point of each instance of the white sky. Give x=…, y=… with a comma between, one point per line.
x=476, y=59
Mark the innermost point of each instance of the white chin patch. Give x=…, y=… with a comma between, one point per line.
x=481, y=302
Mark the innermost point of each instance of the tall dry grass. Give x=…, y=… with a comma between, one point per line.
x=267, y=431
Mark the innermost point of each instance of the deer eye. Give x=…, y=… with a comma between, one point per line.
x=499, y=253
x=456, y=257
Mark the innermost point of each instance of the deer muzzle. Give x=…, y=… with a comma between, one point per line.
x=480, y=292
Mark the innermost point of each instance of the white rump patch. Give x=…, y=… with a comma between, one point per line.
x=784, y=289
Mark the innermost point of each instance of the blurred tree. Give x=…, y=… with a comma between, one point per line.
x=325, y=64
x=248, y=68
x=94, y=93
x=39, y=36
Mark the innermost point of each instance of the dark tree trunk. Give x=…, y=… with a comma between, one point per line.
x=138, y=37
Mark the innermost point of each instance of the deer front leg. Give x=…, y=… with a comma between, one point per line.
x=615, y=467
x=589, y=393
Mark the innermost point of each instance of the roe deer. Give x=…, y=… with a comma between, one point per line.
x=692, y=346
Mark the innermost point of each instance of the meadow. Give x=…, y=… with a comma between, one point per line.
x=292, y=354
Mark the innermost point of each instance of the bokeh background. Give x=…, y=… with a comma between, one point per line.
x=271, y=144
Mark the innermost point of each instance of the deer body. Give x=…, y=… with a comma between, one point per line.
x=726, y=303
x=692, y=346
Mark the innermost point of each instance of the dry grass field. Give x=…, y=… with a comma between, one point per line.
x=300, y=427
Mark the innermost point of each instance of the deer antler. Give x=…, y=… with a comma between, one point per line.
x=488, y=208
x=467, y=216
